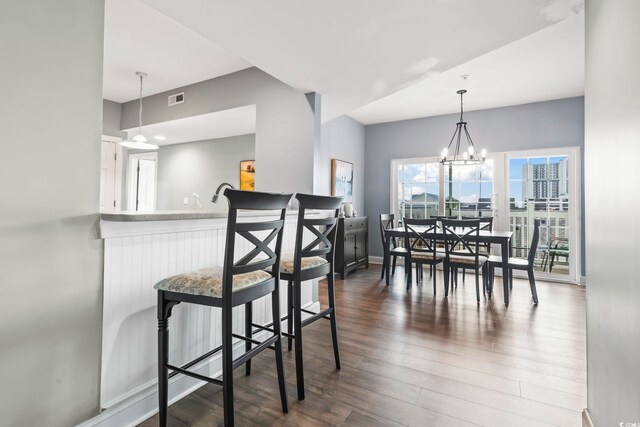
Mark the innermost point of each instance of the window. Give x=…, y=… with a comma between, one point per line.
x=515, y=188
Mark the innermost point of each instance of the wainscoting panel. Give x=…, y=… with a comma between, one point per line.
x=132, y=265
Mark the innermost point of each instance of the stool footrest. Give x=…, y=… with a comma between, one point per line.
x=196, y=360
x=316, y=316
x=268, y=343
x=194, y=375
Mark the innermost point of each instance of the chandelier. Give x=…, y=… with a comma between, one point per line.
x=457, y=155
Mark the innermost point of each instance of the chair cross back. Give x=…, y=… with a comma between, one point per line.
x=323, y=229
x=420, y=236
x=322, y=244
x=239, y=200
x=460, y=230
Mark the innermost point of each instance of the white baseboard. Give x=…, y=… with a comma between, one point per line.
x=143, y=403
x=586, y=418
x=375, y=260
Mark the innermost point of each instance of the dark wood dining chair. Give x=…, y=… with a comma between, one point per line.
x=312, y=261
x=421, y=247
x=462, y=250
x=518, y=264
x=235, y=283
x=486, y=224
x=387, y=221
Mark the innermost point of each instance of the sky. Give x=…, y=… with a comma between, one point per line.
x=470, y=182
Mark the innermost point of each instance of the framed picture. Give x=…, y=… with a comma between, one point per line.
x=248, y=175
x=342, y=179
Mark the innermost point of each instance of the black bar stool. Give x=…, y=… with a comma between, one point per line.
x=310, y=262
x=235, y=283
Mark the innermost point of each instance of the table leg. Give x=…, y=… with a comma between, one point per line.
x=505, y=250
x=387, y=256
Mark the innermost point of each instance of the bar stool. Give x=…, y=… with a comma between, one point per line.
x=235, y=283
x=310, y=262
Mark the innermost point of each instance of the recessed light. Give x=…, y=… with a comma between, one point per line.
x=159, y=137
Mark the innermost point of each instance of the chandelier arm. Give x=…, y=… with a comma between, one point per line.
x=459, y=130
x=469, y=139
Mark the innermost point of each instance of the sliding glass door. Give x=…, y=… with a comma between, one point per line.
x=515, y=188
x=540, y=187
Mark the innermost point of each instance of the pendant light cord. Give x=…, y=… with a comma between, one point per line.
x=140, y=110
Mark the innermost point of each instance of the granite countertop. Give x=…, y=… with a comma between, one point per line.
x=179, y=215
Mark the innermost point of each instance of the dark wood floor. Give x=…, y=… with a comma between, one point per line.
x=415, y=360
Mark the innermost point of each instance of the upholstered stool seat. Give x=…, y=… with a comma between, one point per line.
x=461, y=259
x=286, y=263
x=208, y=282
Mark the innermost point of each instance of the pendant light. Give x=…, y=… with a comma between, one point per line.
x=457, y=155
x=139, y=141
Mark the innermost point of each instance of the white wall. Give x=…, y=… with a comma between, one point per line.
x=612, y=153
x=200, y=167
x=342, y=138
x=50, y=254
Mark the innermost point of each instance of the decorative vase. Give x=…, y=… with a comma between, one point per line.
x=348, y=210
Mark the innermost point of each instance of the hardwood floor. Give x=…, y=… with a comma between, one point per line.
x=415, y=360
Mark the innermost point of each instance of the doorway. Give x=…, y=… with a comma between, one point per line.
x=110, y=174
x=141, y=182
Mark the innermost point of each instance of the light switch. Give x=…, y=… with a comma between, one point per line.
x=185, y=201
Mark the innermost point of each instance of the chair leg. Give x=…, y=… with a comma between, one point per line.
x=393, y=268
x=227, y=365
x=248, y=320
x=464, y=274
x=297, y=315
x=511, y=278
x=477, y=285
x=446, y=280
x=382, y=270
x=409, y=275
x=163, y=358
x=434, y=279
x=282, y=384
x=290, y=314
x=532, y=284
x=334, y=322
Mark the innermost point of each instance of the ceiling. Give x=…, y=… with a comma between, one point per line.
x=548, y=64
x=356, y=52
x=221, y=124
x=371, y=59
x=139, y=38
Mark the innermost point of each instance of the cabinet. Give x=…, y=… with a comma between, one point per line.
x=352, y=245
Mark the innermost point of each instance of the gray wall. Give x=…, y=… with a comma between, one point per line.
x=111, y=112
x=612, y=149
x=342, y=138
x=540, y=125
x=200, y=167
x=51, y=257
x=286, y=122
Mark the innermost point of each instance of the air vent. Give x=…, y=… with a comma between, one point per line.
x=176, y=99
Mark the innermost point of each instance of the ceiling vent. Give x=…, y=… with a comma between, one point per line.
x=176, y=99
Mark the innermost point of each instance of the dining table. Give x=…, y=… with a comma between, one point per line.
x=501, y=238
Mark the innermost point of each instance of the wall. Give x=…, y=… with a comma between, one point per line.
x=200, y=167
x=111, y=112
x=548, y=124
x=612, y=151
x=286, y=122
x=343, y=138
x=51, y=268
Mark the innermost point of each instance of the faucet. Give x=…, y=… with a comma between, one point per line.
x=215, y=196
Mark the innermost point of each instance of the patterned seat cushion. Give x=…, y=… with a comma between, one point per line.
x=286, y=263
x=461, y=259
x=496, y=259
x=208, y=282
x=427, y=255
